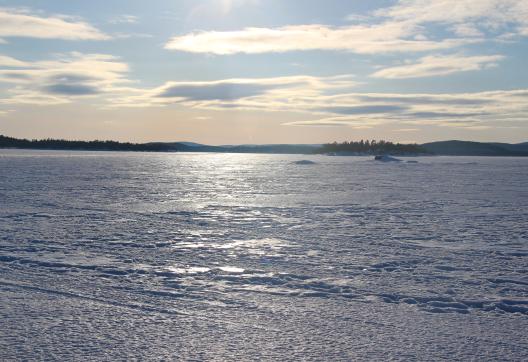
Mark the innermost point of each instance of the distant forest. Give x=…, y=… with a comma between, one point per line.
x=372, y=147
x=360, y=147
x=53, y=144
x=451, y=148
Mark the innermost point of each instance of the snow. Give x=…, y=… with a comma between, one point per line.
x=386, y=158
x=214, y=256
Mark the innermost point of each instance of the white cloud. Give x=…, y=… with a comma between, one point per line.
x=124, y=19
x=358, y=18
x=35, y=98
x=21, y=23
x=439, y=65
x=351, y=122
x=467, y=30
x=6, y=61
x=327, y=101
x=491, y=14
x=131, y=35
x=323, y=101
x=468, y=18
x=404, y=27
x=237, y=93
x=59, y=80
x=365, y=39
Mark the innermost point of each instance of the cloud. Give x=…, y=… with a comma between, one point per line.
x=33, y=98
x=124, y=19
x=71, y=89
x=491, y=15
x=483, y=19
x=64, y=78
x=216, y=91
x=322, y=101
x=365, y=109
x=439, y=65
x=237, y=92
x=6, y=61
x=358, y=18
x=423, y=99
x=444, y=115
x=233, y=89
x=328, y=101
x=355, y=122
x=467, y=30
x=408, y=26
x=365, y=39
x=22, y=23
x=131, y=35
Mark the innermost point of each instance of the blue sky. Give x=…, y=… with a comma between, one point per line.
x=264, y=71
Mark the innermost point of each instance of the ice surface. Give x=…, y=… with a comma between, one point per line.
x=242, y=257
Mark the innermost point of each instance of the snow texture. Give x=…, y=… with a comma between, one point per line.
x=147, y=256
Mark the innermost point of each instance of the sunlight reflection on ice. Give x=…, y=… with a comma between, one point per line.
x=231, y=269
x=190, y=270
x=255, y=244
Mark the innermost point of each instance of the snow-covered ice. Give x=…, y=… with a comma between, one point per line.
x=236, y=256
x=386, y=158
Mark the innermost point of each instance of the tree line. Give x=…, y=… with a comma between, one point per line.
x=97, y=145
x=352, y=147
x=372, y=147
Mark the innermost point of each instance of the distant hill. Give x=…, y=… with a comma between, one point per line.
x=279, y=148
x=191, y=144
x=518, y=147
x=468, y=148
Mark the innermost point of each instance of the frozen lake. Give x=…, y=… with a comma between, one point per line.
x=237, y=256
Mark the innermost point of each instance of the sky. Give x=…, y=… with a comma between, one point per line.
x=264, y=71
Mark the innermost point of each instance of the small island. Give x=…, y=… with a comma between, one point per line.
x=361, y=148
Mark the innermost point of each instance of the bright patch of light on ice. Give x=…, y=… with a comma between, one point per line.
x=255, y=243
x=190, y=245
x=270, y=243
x=231, y=269
x=190, y=270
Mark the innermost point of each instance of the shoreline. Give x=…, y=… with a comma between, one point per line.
x=260, y=153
